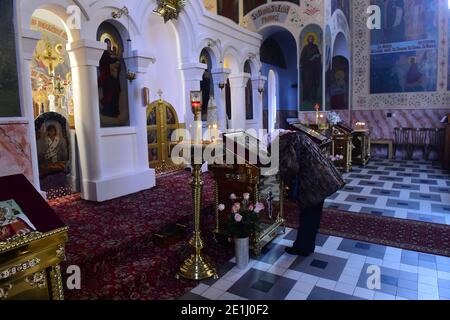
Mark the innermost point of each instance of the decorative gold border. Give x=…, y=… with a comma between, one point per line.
x=22, y=240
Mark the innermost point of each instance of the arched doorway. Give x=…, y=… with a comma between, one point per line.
x=272, y=100
x=162, y=123
x=338, y=76
x=338, y=84
x=53, y=107
x=279, y=64
x=228, y=102
x=207, y=84
x=249, y=113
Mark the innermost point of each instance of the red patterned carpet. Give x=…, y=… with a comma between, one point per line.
x=112, y=241
x=401, y=233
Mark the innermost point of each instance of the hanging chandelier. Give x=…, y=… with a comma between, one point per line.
x=169, y=9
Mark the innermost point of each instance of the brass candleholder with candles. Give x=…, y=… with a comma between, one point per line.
x=198, y=266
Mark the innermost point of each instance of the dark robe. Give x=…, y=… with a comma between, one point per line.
x=110, y=83
x=310, y=173
x=312, y=178
x=311, y=71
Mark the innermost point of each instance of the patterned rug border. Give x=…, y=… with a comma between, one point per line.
x=445, y=229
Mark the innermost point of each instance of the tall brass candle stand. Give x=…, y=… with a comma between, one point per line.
x=198, y=266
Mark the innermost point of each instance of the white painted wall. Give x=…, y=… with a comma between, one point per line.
x=114, y=161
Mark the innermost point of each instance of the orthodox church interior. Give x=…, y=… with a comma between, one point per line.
x=97, y=98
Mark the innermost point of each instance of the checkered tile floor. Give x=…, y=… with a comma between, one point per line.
x=339, y=270
x=416, y=190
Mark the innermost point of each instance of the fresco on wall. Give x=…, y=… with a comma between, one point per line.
x=404, y=52
x=112, y=79
x=338, y=84
x=51, y=77
x=448, y=67
x=311, y=67
x=211, y=5
x=9, y=85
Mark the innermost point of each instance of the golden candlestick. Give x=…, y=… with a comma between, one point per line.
x=198, y=266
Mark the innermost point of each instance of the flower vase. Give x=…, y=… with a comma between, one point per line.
x=242, y=251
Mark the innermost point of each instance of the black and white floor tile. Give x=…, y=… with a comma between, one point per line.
x=339, y=270
x=416, y=190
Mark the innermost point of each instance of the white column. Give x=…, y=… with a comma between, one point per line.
x=257, y=83
x=84, y=58
x=193, y=75
x=238, y=84
x=221, y=75
x=139, y=62
x=29, y=42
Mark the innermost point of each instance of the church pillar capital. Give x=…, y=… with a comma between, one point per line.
x=258, y=85
x=193, y=71
x=258, y=82
x=239, y=80
x=220, y=75
x=139, y=61
x=85, y=52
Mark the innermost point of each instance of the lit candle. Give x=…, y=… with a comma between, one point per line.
x=216, y=132
x=198, y=133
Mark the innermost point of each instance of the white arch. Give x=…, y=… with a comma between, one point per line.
x=340, y=46
x=28, y=7
x=232, y=60
x=214, y=52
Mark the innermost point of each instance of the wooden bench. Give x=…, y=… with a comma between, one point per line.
x=388, y=143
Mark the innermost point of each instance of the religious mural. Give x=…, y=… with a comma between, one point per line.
x=53, y=149
x=51, y=77
x=9, y=85
x=311, y=67
x=211, y=5
x=112, y=79
x=448, y=67
x=338, y=84
x=404, y=52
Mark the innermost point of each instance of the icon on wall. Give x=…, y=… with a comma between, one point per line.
x=112, y=79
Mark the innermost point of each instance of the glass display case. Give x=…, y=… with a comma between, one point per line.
x=342, y=138
x=361, y=150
